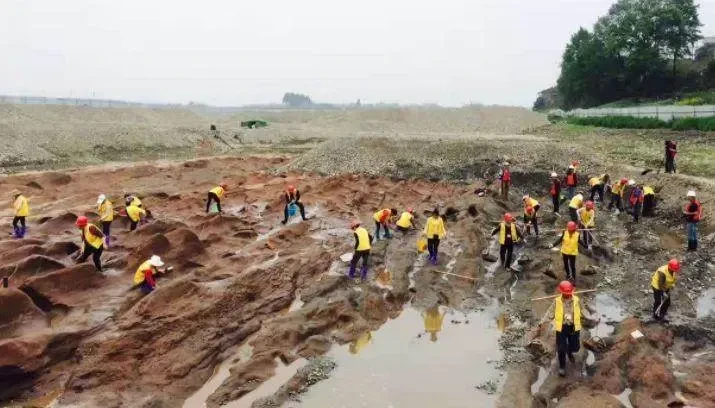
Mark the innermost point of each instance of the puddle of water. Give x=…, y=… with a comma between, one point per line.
x=401, y=358
x=270, y=386
x=221, y=373
x=610, y=311
x=623, y=398
x=706, y=303
x=543, y=374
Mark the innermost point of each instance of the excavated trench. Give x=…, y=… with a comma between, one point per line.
x=260, y=314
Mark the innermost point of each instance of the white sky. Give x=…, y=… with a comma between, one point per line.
x=236, y=52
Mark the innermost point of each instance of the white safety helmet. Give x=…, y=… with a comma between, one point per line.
x=631, y=182
x=525, y=197
x=554, y=175
x=155, y=261
x=101, y=198
x=691, y=193
x=571, y=167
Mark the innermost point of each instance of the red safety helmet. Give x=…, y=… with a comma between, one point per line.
x=508, y=217
x=291, y=188
x=81, y=221
x=410, y=210
x=571, y=226
x=589, y=205
x=674, y=265
x=224, y=186
x=529, y=209
x=354, y=224
x=624, y=180
x=566, y=287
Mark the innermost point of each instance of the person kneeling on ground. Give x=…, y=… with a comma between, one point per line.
x=406, y=221
x=434, y=231
x=508, y=236
x=92, y=242
x=144, y=276
x=382, y=219
x=135, y=214
x=567, y=324
x=216, y=194
x=292, y=196
x=362, y=250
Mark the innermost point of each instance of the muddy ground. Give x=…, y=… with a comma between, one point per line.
x=259, y=314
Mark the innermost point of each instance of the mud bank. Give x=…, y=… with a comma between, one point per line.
x=256, y=313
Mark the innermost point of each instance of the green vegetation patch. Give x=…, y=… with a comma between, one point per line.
x=631, y=122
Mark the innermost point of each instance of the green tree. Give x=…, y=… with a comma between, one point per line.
x=296, y=99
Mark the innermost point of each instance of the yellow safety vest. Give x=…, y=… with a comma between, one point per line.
x=218, y=190
x=502, y=233
x=139, y=274
x=22, y=207
x=576, y=201
x=363, y=239
x=134, y=213
x=569, y=244
x=594, y=181
x=434, y=226
x=90, y=238
x=405, y=220
x=617, y=188
x=670, y=278
x=106, y=211
x=588, y=217
x=530, y=202
x=559, y=313
x=647, y=190
x=433, y=321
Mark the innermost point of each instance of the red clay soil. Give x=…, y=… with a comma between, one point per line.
x=233, y=276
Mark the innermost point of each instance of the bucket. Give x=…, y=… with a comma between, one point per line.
x=292, y=210
x=421, y=245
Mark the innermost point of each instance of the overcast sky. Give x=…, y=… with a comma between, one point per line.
x=235, y=52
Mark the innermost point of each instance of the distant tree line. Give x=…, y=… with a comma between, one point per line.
x=296, y=100
x=640, y=49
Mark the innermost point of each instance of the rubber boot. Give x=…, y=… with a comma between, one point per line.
x=351, y=272
x=388, y=235
x=16, y=232
x=363, y=272
x=106, y=241
x=23, y=230
x=435, y=259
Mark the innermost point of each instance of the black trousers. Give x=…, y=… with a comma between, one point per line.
x=616, y=201
x=533, y=220
x=133, y=224
x=403, y=229
x=301, y=207
x=649, y=205
x=96, y=254
x=17, y=220
x=586, y=236
x=574, y=214
x=555, y=201
x=568, y=341
x=637, y=207
x=213, y=197
x=597, y=189
x=365, y=255
x=660, y=301
x=433, y=245
x=378, y=224
x=569, y=266
x=505, y=252
x=669, y=164
x=106, y=227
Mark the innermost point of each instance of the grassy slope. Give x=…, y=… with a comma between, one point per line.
x=697, y=98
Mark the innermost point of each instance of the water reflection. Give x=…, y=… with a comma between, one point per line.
x=358, y=344
x=433, y=321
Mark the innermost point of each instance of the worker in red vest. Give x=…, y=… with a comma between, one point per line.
x=505, y=177
x=636, y=201
x=671, y=149
x=555, y=191
x=693, y=214
x=571, y=181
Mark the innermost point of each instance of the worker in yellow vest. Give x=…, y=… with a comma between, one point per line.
x=648, y=201
x=22, y=209
x=434, y=231
x=531, y=210
x=617, y=194
x=587, y=221
x=567, y=324
x=135, y=215
x=509, y=235
x=92, y=242
x=216, y=194
x=106, y=216
x=406, y=220
x=662, y=281
x=130, y=199
x=574, y=205
x=598, y=185
x=362, y=250
x=569, y=250
x=145, y=273
x=433, y=319
x=382, y=219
